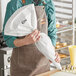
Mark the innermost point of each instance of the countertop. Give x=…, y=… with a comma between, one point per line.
x=49, y=73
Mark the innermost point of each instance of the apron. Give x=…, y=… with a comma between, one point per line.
x=27, y=60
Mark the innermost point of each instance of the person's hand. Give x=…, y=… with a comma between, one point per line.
x=32, y=38
x=57, y=58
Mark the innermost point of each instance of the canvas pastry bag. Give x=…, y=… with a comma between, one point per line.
x=28, y=57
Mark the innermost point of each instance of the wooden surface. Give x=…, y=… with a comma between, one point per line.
x=48, y=73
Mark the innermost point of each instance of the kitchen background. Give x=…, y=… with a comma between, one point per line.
x=66, y=34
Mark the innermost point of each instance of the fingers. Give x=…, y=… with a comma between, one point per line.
x=35, y=35
x=57, y=58
x=38, y=36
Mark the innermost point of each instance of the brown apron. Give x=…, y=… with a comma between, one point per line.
x=27, y=60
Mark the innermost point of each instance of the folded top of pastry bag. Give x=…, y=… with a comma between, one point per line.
x=22, y=22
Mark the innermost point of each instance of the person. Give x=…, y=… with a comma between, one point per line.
x=25, y=58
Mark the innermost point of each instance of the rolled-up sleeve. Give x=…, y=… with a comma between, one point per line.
x=8, y=39
x=12, y=6
x=52, y=22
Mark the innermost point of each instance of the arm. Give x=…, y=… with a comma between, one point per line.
x=52, y=22
x=12, y=41
x=9, y=11
x=29, y=39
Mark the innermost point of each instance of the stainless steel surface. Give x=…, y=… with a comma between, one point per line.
x=5, y=55
x=63, y=9
x=63, y=1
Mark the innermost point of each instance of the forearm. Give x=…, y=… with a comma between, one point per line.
x=20, y=42
x=29, y=39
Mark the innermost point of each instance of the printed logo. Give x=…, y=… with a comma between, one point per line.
x=24, y=21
